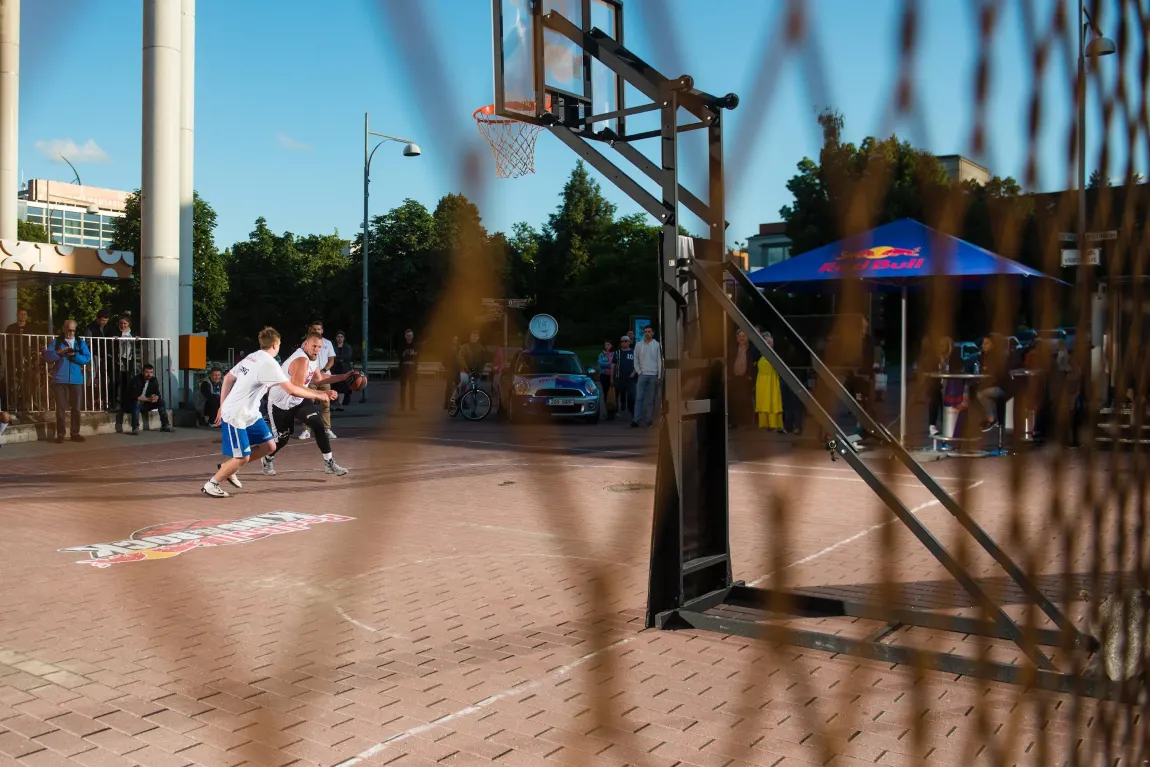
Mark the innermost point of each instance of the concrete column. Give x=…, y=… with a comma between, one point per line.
x=187, y=156
x=9, y=139
x=160, y=183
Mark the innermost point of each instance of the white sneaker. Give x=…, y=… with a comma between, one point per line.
x=212, y=488
x=269, y=465
x=933, y=430
x=233, y=480
x=331, y=467
x=305, y=434
x=330, y=434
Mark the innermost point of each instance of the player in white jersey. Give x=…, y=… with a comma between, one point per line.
x=245, y=433
x=303, y=368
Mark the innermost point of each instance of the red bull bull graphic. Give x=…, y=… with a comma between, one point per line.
x=174, y=538
x=874, y=259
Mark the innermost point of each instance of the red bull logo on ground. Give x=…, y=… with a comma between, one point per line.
x=875, y=259
x=174, y=538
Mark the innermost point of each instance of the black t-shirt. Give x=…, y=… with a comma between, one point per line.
x=626, y=359
x=409, y=355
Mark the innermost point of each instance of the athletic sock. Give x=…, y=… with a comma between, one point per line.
x=327, y=456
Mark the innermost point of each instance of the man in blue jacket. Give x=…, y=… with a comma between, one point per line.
x=69, y=354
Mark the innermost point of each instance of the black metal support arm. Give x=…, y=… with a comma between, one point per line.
x=847, y=453
x=975, y=530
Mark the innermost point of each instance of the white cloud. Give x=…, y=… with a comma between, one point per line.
x=88, y=152
x=287, y=142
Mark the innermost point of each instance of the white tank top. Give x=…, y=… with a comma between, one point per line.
x=278, y=395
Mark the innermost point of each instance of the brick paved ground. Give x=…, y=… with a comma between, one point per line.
x=485, y=606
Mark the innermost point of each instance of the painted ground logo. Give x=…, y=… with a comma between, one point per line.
x=174, y=538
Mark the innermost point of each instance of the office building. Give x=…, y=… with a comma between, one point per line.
x=81, y=216
x=769, y=247
x=959, y=168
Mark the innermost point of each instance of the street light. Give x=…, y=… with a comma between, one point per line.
x=410, y=149
x=1098, y=46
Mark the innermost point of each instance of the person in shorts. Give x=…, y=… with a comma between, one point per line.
x=246, y=435
x=302, y=368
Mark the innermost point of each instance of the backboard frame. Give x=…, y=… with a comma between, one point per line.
x=578, y=106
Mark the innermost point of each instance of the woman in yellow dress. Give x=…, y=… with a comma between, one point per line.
x=768, y=392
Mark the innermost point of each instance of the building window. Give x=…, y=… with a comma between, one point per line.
x=776, y=254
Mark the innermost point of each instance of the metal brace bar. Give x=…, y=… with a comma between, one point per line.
x=600, y=163
x=892, y=501
x=808, y=605
x=648, y=80
x=1092, y=686
x=621, y=113
x=655, y=173
x=975, y=530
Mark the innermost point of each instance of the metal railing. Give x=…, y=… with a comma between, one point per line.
x=26, y=379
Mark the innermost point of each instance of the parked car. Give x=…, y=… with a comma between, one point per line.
x=549, y=383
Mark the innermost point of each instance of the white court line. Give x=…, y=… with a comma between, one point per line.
x=368, y=628
x=486, y=702
x=853, y=538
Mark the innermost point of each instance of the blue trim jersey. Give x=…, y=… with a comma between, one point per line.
x=254, y=375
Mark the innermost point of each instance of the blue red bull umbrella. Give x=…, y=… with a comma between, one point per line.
x=895, y=254
x=898, y=255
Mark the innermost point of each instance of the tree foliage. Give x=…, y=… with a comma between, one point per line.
x=209, y=269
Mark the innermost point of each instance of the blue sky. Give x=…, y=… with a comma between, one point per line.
x=281, y=89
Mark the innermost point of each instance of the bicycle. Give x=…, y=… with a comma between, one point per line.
x=473, y=403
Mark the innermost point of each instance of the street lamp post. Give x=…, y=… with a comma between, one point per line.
x=410, y=149
x=1098, y=46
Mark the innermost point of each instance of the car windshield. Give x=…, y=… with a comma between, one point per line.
x=549, y=364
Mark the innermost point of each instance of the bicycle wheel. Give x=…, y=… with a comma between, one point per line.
x=475, y=405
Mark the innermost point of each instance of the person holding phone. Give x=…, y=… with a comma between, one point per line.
x=69, y=354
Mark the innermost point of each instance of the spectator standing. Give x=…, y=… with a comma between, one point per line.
x=743, y=362
x=125, y=362
x=102, y=360
x=625, y=377
x=210, y=389
x=68, y=354
x=20, y=362
x=326, y=359
x=144, y=391
x=342, y=365
x=648, y=369
x=408, y=370
x=606, y=365
x=451, y=368
x=768, y=393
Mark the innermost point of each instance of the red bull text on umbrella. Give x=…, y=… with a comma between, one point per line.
x=874, y=259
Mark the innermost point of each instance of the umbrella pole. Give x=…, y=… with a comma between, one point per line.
x=902, y=377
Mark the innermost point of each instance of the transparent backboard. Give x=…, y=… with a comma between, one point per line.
x=535, y=65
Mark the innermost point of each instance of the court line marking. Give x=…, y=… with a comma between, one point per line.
x=533, y=447
x=853, y=538
x=558, y=673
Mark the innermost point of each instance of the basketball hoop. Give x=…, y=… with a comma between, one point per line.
x=512, y=141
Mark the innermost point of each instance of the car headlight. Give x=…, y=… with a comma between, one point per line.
x=521, y=387
x=592, y=388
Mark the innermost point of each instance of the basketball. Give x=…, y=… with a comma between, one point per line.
x=356, y=381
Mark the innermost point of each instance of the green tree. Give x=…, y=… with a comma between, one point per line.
x=578, y=232
x=852, y=189
x=79, y=301
x=209, y=265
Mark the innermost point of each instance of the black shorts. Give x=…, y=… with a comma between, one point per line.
x=284, y=420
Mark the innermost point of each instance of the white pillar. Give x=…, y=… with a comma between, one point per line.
x=187, y=156
x=160, y=184
x=9, y=127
